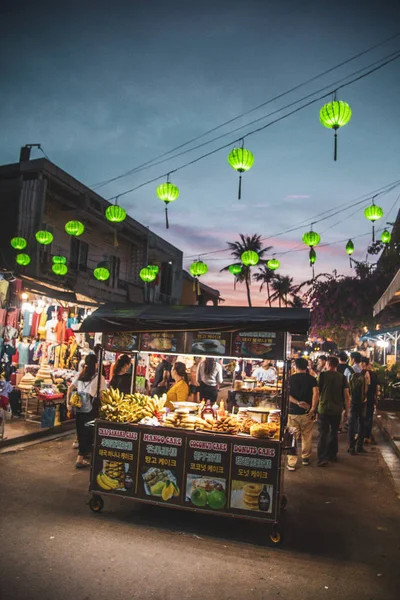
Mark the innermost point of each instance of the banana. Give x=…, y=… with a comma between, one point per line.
x=110, y=482
x=101, y=483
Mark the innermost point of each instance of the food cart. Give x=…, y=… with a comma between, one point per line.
x=183, y=461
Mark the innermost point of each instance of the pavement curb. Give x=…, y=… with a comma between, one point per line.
x=40, y=435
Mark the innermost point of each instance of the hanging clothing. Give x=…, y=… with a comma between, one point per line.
x=42, y=324
x=51, y=309
x=3, y=316
x=35, y=323
x=28, y=316
x=4, y=284
x=12, y=317
x=60, y=331
x=51, y=335
x=59, y=356
x=38, y=352
x=23, y=354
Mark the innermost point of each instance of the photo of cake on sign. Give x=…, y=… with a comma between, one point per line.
x=251, y=496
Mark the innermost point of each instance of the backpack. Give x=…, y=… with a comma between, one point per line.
x=357, y=388
x=81, y=400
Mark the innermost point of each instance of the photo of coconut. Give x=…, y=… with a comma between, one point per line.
x=160, y=483
x=204, y=492
x=251, y=496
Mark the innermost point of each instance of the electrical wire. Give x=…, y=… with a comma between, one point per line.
x=245, y=113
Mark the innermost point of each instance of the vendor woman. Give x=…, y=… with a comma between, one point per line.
x=179, y=392
x=121, y=379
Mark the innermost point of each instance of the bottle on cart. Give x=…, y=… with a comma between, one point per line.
x=221, y=410
x=215, y=409
x=264, y=500
x=128, y=481
x=207, y=413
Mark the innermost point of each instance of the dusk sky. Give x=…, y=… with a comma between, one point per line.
x=107, y=86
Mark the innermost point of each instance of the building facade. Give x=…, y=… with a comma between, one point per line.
x=36, y=195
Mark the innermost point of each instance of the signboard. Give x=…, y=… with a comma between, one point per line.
x=173, y=342
x=211, y=344
x=207, y=472
x=121, y=342
x=161, y=465
x=254, y=476
x=114, y=468
x=262, y=345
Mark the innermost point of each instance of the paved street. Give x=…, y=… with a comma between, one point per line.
x=342, y=538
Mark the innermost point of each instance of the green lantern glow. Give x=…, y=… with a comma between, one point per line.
x=154, y=268
x=23, y=259
x=313, y=257
x=273, y=264
x=44, y=237
x=334, y=115
x=18, y=243
x=350, y=247
x=198, y=268
x=101, y=273
x=74, y=228
x=59, y=269
x=241, y=160
x=59, y=260
x=386, y=236
x=250, y=258
x=167, y=192
x=373, y=213
x=147, y=275
x=115, y=214
x=311, y=238
x=235, y=269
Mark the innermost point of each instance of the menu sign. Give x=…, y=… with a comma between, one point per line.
x=211, y=344
x=254, y=475
x=163, y=342
x=161, y=465
x=262, y=345
x=121, y=342
x=114, y=468
x=207, y=472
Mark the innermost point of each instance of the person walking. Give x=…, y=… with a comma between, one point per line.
x=209, y=377
x=359, y=384
x=372, y=394
x=334, y=389
x=303, y=395
x=344, y=368
x=82, y=395
x=321, y=363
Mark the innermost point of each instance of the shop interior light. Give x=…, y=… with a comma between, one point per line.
x=24, y=296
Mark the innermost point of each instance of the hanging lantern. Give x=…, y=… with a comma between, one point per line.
x=197, y=269
x=334, y=115
x=23, y=259
x=102, y=272
x=350, y=250
x=44, y=237
x=241, y=160
x=273, y=264
x=59, y=260
x=74, y=228
x=154, y=268
x=386, y=237
x=59, y=269
x=373, y=213
x=147, y=275
x=311, y=238
x=313, y=257
x=18, y=243
x=167, y=192
x=235, y=269
x=250, y=258
x=115, y=214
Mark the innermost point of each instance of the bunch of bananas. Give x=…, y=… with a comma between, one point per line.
x=129, y=408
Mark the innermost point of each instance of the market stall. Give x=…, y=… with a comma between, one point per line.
x=193, y=457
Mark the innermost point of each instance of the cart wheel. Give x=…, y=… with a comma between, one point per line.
x=96, y=503
x=276, y=535
x=283, y=502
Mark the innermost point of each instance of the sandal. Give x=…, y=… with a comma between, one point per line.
x=82, y=464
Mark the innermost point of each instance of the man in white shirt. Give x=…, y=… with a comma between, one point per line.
x=266, y=373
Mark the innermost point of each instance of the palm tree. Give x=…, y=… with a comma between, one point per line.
x=265, y=276
x=282, y=286
x=246, y=242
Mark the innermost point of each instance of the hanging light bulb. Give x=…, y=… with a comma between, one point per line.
x=18, y=243
x=167, y=192
x=74, y=228
x=44, y=237
x=241, y=160
x=386, y=237
x=197, y=269
x=235, y=269
x=250, y=258
x=334, y=115
x=373, y=213
x=273, y=264
x=147, y=275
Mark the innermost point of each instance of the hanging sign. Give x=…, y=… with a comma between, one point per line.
x=211, y=344
x=173, y=342
x=261, y=345
x=121, y=342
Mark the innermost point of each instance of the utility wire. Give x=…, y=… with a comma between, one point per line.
x=254, y=131
x=250, y=111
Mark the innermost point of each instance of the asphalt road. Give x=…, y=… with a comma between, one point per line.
x=342, y=538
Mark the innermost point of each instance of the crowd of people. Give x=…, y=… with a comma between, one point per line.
x=341, y=395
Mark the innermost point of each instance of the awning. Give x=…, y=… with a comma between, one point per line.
x=140, y=318
x=390, y=296
x=378, y=334
x=56, y=293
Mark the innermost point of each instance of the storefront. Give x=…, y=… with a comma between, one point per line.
x=191, y=457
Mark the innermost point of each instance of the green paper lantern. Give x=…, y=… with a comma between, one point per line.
x=115, y=214
x=44, y=237
x=74, y=228
x=59, y=260
x=18, y=243
x=147, y=275
x=386, y=236
x=154, y=268
x=250, y=258
x=334, y=115
x=273, y=264
x=59, y=269
x=350, y=247
x=101, y=273
x=311, y=239
x=241, y=160
x=23, y=259
x=373, y=213
x=313, y=257
x=198, y=268
x=235, y=269
x=167, y=192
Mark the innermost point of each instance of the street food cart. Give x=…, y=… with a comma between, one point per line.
x=183, y=460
